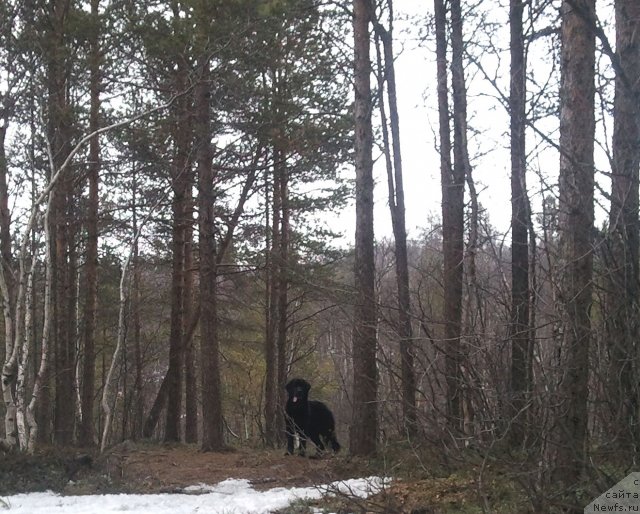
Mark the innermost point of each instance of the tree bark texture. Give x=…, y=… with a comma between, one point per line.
x=446, y=174
x=180, y=175
x=86, y=435
x=283, y=289
x=453, y=180
x=577, y=126
x=190, y=313
x=9, y=368
x=276, y=341
x=624, y=287
x=519, y=323
x=212, y=430
x=6, y=257
x=138, y=403
x=59, y=124
x=364, y=426
x=272, y=394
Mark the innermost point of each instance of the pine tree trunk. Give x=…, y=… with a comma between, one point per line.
x=364, y=425
x=212, y=431
x=271, y=340
x=180, y=180
x=58, y=135
x=190, y=371
x=86, y=435
x=283, y=286
x=176, y=354
x=138, y=403
x=576, y=213
x=624, y=295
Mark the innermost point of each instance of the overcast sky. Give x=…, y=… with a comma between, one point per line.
x=416, y=85
x=488, y=119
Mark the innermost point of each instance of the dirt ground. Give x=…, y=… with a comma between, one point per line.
x=146, y=468
x=162, y=468
x=152, y=468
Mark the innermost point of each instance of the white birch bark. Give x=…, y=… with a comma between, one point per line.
x=107, y=409
x=46, y=331
x=6, y=374
x=17, y=325
x=21, y=386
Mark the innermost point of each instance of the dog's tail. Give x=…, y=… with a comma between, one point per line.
x=335, y=445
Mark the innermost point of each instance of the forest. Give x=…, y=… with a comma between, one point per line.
x=187, y=196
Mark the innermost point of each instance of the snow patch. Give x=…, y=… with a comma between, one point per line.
x=232, y=496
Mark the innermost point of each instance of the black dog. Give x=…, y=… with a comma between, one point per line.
x=309, y=419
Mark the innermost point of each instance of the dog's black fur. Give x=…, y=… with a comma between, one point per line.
x=308, y=419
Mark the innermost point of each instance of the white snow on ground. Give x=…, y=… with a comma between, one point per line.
x=229, y=497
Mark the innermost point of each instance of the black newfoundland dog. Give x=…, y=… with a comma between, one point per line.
x=309, y=419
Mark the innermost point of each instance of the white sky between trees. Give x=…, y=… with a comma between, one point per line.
x=488, y=119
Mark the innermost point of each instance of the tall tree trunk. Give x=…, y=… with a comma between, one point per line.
x=180, y=176
x=397, y=208
x=520, y=365
x=6, y=257
x=9, y=369
x=58, y=134
x=453, y=179
x=278, y=273
x=446, y=174
x=176, y=354
x=271, y=340
x=283, y=287
x=190, y=374
x=624, y=294
x=364, y=426
x=5, y=213
x=212, y=431
x=138, y=403
x=577, y=124
x=86, y=435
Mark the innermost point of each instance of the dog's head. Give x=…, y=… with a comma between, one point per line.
x=298, y=390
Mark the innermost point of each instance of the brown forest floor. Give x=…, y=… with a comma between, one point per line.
x=158, y=468
x=152, y=468
x=147, y=468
